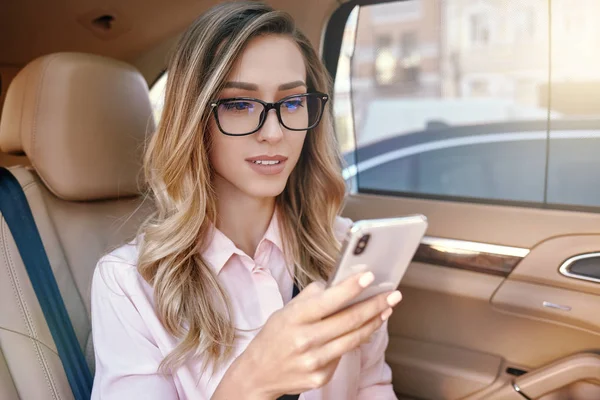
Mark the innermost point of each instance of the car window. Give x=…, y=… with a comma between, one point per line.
x=456, y=99
x=157, y=96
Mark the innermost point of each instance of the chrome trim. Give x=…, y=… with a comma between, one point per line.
x=518, y=390
x=470, y=256
x=565, y=268
x=467, y=247
x=560, y=307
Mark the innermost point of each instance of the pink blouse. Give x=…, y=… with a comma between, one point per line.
x=130, y=342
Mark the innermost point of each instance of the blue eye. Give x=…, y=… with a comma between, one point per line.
x=237, y=106
x=293, y=104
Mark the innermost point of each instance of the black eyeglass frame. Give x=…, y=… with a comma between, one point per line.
x=267, y=107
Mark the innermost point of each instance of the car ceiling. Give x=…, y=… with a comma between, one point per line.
x=144, y=30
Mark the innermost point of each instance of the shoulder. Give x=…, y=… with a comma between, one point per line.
x=340, y=227
x=117, y=272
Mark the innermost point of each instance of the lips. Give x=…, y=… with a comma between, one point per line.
x=267, y=165
x=267, y=160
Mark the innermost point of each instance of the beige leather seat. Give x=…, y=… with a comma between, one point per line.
x=8, y=160
x=82, y=121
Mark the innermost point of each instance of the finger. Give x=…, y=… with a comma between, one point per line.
x=315, y=288
x=348, y=342
x=334, y=298
x=354, y=317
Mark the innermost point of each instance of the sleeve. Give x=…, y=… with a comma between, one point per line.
x=375, y=374
x=127, y=358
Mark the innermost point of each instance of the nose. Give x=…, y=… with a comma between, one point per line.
x=271, y=130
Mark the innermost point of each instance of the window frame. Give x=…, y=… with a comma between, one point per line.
x=330, y=50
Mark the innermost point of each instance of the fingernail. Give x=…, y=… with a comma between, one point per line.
x=386, y=314
x=394, y=298
x=366, y=279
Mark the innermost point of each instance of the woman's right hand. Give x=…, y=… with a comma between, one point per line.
x=300, y=346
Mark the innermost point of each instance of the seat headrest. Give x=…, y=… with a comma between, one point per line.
x=82, y=120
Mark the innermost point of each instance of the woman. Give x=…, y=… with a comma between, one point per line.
x=247, y=183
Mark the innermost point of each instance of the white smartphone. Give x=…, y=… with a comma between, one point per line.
x=382, y=246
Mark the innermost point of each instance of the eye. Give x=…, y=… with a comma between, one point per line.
x=293, y=104
x=237, y=106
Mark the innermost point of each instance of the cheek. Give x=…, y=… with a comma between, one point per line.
x=297, y=143
x=223, y=151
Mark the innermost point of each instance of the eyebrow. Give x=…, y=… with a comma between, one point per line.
x=254, y=87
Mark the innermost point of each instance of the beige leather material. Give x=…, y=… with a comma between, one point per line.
x=472, y=324
x=10, y=115
x=151, y=21
x=572, y=378
x=75, y=236
x=7, y=386
x=576, y=309
x=15, y=282
x=36, y=370
x=451, y=281
x=577, y=391
x=7, y=74
x=87, y=230
x=82, y=120
x=9, y=160
x=434, y=371
x=24, y=335
x=561, y=373
x=542, y=264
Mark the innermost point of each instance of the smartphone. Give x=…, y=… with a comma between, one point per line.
x=383, y=246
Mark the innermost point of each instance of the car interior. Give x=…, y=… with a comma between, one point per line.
x=502, y=299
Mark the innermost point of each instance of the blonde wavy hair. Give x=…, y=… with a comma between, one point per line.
x=190, y=302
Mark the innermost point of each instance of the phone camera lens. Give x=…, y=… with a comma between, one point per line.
x=362, y=244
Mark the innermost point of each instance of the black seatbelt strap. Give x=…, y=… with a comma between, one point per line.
x=291, y=396
x=18, y=216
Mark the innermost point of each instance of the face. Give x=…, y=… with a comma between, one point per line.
x=259, y=165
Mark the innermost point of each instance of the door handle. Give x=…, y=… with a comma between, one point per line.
x=549, y=378
x=584, y=266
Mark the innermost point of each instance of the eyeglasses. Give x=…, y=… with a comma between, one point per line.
x=240, y=116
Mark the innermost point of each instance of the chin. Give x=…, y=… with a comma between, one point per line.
x=266, y=189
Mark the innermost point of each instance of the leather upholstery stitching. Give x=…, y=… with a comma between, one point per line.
x=42, y=344
x=25, y=313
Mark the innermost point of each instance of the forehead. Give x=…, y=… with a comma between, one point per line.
x=269, y=61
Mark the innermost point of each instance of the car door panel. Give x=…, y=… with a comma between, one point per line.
x=467, y=309
x=555, y=252
x=561, y=306
x=436, y=370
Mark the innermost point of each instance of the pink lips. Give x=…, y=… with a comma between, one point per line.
x=267, y=158
x=267, y=165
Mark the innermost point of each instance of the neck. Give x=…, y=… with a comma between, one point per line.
x=243, y=219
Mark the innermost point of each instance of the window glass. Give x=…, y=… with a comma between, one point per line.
x=449, y=98
x=574, y=156
x=157, y=96
x=342, y=102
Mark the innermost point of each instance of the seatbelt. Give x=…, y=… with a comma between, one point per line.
x=18, y=216
x=291, y=396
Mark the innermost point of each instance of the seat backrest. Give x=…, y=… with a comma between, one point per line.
x=8, y=160
x=82, y=121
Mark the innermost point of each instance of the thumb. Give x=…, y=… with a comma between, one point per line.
x=311, y=290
